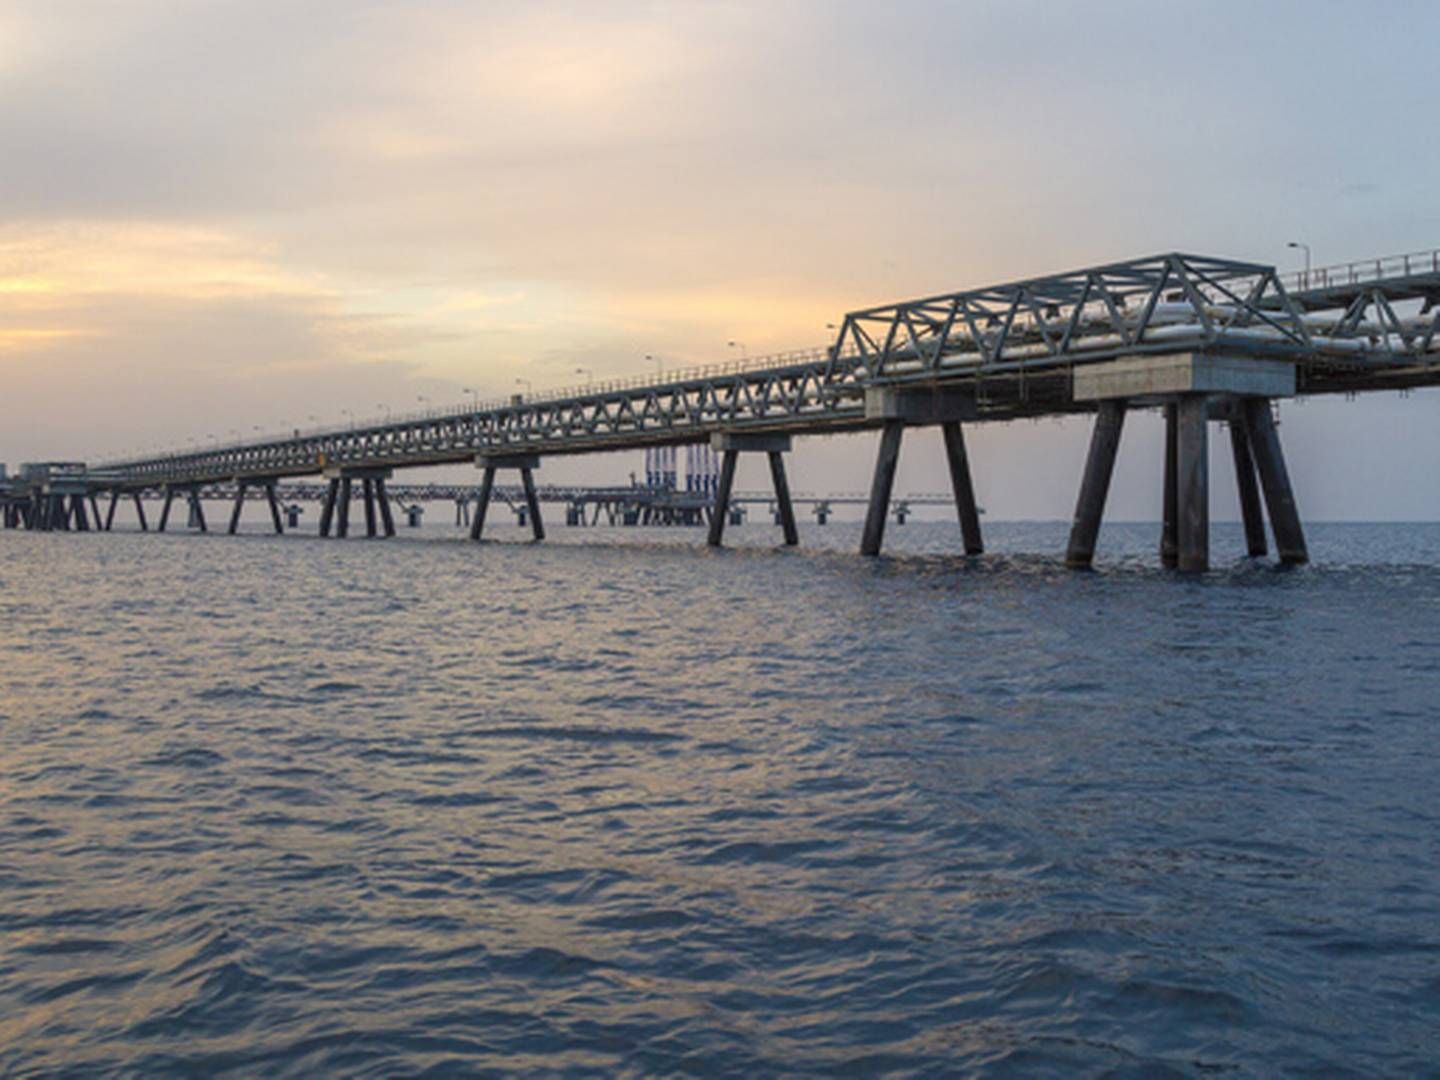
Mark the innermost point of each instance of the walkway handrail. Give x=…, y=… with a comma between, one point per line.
x=1363, y=270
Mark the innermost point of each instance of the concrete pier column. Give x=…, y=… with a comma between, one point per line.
x=729, y=445
x=965, y=506
x=886, y=459
x=1192, y=483
x=240, y=486
x=1275, y=481
x=1170, y=507
x=110, y=510
x=95, y=512
x=382, y=500
x=367, y=493
x=482, y=503
x=782, y=499
x=1248, y=488
x=165, y=509
x=525, y=464
x=197, y=511
x=77, y=504
x=1095, y=485
x=140, y=513
x=274, y=508
x=327, y=508
x=532, y=503
x=342, y=522
x=721, y=513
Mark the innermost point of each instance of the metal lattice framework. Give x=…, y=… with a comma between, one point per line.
x=1012, y=345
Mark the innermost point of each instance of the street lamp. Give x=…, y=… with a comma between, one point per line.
x=529, y=386
x=474, y=398
x=739, y=345
x=589, y=375
x=1306, y=249
x=351, y=415
x=659, y=363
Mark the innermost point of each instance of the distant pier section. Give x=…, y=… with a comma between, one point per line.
x=1202, y=339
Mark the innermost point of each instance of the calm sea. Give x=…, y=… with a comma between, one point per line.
x=617, y=804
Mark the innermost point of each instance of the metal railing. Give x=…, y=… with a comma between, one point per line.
x=451, y=412
x=1363, y=270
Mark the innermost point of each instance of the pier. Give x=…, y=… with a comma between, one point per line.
x=1202, y=339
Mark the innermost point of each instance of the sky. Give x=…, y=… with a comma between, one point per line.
x=226, y=218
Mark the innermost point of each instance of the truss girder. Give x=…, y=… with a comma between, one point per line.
x=1160, y=303
x=1029, y=332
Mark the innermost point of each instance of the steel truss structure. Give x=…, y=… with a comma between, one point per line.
x=1012, y=346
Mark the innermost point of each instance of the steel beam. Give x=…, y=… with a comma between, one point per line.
x=965, y=506
x=110, y=510
x=1095, y=485
x=140, y=513
x=886, y=459
x=165, y=510
x=1275, y=481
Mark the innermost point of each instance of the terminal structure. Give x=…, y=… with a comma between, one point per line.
x=1203, y=339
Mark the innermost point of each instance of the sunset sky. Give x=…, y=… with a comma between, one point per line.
x=217, y=217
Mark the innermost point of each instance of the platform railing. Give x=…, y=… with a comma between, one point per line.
x=1363, y=270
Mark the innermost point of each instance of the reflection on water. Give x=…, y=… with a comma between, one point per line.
x=280, y=806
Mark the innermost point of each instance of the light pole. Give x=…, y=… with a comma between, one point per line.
x=474, y=398
x=529, y=386
x=589, y=375
x=744, y=353
x=351, y=415
x=387, y=411
x=659, y=363
x=1306, y=249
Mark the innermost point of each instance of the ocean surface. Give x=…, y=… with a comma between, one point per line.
x=620, y=805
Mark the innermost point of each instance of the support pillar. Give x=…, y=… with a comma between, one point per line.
x=95, y=512
x=240, y=486
x=1095, y=485
x=110, y=511
x=1170, y=507
x=730, y=445
x=274, y=508
x=387, y=520
x=1192, y=483
x=1275, y=481
x=367, y=491
x=140, y=513
x=785, y=507
x=482, y=503
x=532, y=503
x=965, y=505
x=197, y=511
x=1248, y=488
x=327, y=508
x=881, y=486
x=77, y=504
x=525, y=464
x=165, y=510
x=342, y=524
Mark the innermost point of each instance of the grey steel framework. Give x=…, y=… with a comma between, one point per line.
x=1205, y=338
